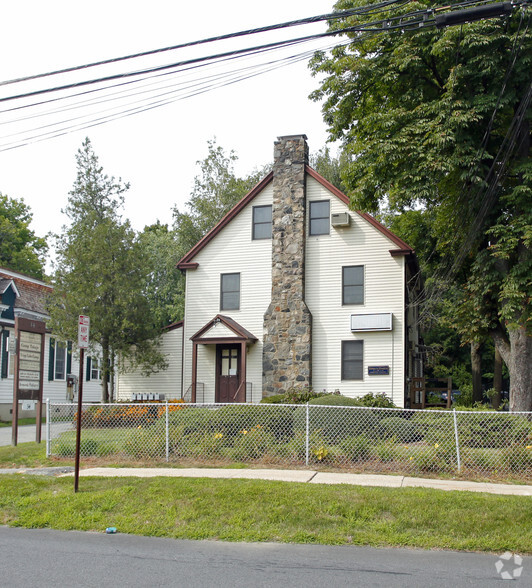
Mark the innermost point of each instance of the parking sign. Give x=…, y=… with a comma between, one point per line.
x=83, y=332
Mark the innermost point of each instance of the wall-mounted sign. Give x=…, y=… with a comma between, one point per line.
x=378, y=370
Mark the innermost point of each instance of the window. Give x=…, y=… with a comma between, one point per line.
x=353, y=284
x=60, y=360
x=262, y=222
x=319, y=217
x=95, y=369
x=230, y=292
x=7, y=362
x=352, y=360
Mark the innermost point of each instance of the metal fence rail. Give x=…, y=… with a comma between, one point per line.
x=486, y=444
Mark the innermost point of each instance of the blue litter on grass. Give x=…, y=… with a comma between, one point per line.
x=110, y=530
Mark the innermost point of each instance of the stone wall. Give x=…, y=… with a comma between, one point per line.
x=288, y=322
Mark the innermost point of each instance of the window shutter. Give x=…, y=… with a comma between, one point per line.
x=5, y=354
x=51, y=360
x=69, y=357
x=88, y=366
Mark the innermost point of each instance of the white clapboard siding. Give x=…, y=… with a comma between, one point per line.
x=165, y=382
x=359, y=244
x=231, y=251
x=54, y=390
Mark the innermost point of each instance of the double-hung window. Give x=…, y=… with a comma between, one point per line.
x=60, y=365
x=60, y=359
x=95, y=369
x=230, y=292
x=319, y=217
x=353, y=284
x=352, y=360
x=7, y=361
x=262, y=222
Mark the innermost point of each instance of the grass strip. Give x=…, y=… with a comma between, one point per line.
x=259, y=510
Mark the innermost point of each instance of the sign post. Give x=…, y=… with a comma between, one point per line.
x=83, y=343
x=29, y=363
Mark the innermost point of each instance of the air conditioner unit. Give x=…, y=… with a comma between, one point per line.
x=340, y=219
x=379, y=321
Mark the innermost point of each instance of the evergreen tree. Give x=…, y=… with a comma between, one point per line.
x=101, y=271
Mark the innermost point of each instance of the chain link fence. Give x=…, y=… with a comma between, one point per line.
x=476, y=444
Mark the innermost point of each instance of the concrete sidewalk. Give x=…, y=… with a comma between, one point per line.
x=312, y=477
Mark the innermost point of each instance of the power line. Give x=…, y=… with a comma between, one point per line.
x=308, y=20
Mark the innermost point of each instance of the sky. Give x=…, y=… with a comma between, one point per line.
x=155, y=151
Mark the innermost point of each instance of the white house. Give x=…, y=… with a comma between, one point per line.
x=24, y=297
x=292, y=288
x=165, y=384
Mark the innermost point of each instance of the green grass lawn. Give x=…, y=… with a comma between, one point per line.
x=257, y=510
x=21, y=422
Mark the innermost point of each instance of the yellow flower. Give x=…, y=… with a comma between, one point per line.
x=218, y=435
x=529, y=446
x=410, y=458
x=436, y=445
x=244, y=432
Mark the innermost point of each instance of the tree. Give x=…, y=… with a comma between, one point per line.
x=20, y=249
x=216, y=190
x=440, y=119
x=165, y=287
x=101, y=271
x=330, y=167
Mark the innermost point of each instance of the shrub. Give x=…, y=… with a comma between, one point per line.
x=253, y=443
x=293, y=396
x=404, y=430
x=337, y=423
x=356, y=448
x=387, y=451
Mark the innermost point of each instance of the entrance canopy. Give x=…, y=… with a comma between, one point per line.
x=222, y=329
x=231, y=340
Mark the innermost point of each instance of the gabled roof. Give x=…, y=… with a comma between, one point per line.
x=5, y=284
x=239, y=331
x=31, y=293
x=187, y=261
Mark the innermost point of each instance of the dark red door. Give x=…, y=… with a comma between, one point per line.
x=228, y=373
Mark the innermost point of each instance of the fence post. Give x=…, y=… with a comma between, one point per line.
x=47, y=427
x=306, y=435
x=167, y=435
x=456, y=441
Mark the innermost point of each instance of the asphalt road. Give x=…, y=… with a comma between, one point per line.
x=25, y=434
x=68, y=558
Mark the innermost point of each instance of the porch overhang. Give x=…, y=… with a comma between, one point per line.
x=221, y=330
x=229, y=331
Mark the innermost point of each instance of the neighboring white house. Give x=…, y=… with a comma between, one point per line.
x=165, y=384
x=25, y=297
x=292, y=288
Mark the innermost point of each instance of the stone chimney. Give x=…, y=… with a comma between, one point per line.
x=286, y=359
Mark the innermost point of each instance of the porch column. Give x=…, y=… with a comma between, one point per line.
x=194, y=370
x=243, y=366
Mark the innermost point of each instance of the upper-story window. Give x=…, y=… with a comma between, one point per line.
x=319, y=217
x=229, y=291
x=262, y=222
x=353, y=284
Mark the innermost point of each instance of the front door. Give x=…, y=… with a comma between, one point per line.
x=228, y=373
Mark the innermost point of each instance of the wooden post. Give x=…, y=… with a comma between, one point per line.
x=78, y=420
x=449, y=392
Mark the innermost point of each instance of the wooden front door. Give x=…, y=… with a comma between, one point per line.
x=228, y=374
